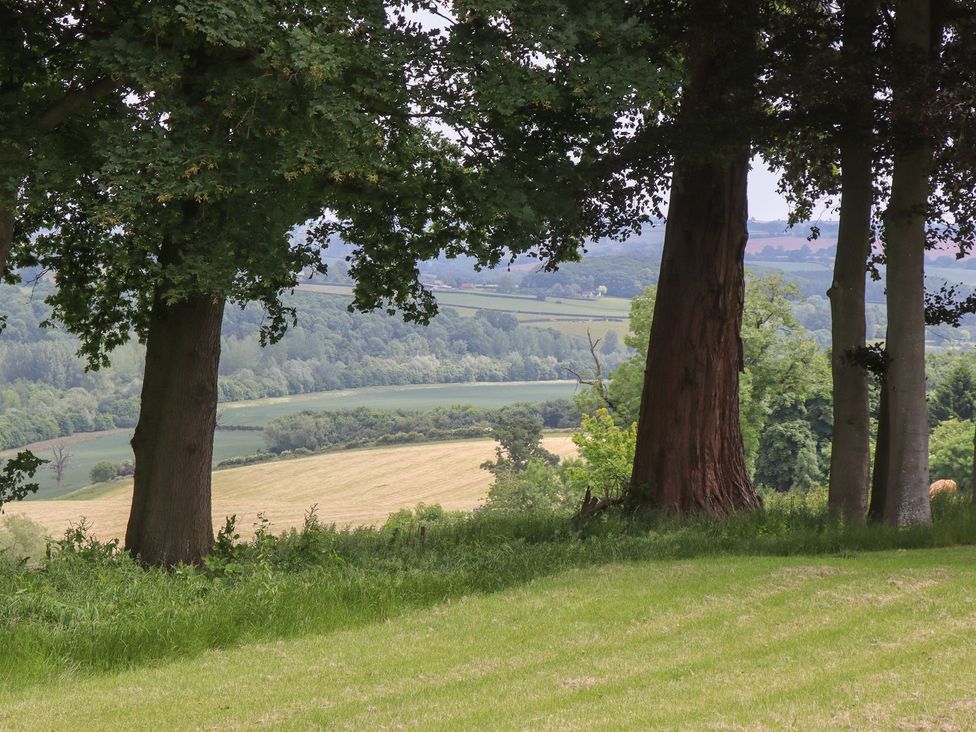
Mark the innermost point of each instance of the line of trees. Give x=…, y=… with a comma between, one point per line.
x=46, y=392
x=364, y=426
x=183, y=141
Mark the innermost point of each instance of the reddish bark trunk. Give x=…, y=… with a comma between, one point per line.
x=170, y=522
x=690, y=455
x=689, y=443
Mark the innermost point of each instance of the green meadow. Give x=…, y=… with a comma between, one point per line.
x=780, y=620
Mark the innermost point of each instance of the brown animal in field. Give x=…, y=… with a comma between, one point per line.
x=943, y=486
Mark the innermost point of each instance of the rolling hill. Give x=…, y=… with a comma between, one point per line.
x=349, y=487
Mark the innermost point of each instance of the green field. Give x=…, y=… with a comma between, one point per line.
x=877, y=641
x=114, y=446
x=563, y=314
x=788, y=266
x=415, y=397
x=617, y=307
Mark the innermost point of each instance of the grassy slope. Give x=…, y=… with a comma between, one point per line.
x=350, y=487
x=416, y=397
x=89, y=448
x=880, y=641
x=567, y=315
x=615, y=307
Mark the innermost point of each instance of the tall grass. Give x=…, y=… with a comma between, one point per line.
x=89, y=608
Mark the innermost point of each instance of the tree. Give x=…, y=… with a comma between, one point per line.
x=826, y=90
x=60, y=457
x=951, y=455
x=954, y=396
x=53, y=94
x=785, y=369
x=239, y=127
x=786, y=376
x=518, y=432
x=907, y=498
x=102, y=471
x=600, y=112
x=689, y=452
x=607, y=456
x=788, y=457
x=850, y=447
x=15, y=474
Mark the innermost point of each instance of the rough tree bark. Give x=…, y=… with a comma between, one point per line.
x=690, y=454
x=170, y=522
x=907, y=498
x=851, y=442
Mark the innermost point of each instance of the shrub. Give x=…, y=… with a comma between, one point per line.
x=421, y=518
x=607, y=453
x=951, y=452
x=103, y=471
x=21, y=540
x=541, y=486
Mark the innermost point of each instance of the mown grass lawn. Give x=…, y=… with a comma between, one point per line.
x=882, y=640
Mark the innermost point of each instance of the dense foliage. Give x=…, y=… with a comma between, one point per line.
x=364, y=426
x=785, y=381
x=46, y=391
x=620, y=276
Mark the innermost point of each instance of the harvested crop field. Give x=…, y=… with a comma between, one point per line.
x=351, y=487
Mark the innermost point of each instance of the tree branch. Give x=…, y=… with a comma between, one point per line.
x=597, y=381
x=72, y=101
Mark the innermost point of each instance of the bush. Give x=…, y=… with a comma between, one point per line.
x=103, y=471
x=21, y=541
x=541, y=486
x=951, y=452
x=607, y=453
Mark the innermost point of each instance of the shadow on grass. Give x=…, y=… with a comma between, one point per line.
x=91, y=609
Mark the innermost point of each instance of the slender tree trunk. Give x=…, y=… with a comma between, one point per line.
x=6, y=235
x=851, y=441
x=882, y=451
x=170, y=522
x=908, y=463
x=972, y=478
x=689, y=454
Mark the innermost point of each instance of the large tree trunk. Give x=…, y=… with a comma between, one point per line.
x=171, y=522
x=882, y=451
x=908, y=472
x=689, y=454
x=689, y=442
x=851, y=441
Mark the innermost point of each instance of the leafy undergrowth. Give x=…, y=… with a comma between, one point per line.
x=91, y=609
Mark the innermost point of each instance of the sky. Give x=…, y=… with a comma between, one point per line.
x=765, y=204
